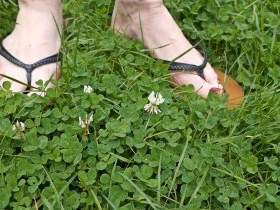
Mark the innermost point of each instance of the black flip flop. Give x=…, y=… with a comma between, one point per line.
x=185, y=67
x=29, y=68
x=234, y=91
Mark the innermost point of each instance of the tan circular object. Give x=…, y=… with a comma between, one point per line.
x=234, y=91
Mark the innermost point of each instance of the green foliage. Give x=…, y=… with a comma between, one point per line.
x=196, y=154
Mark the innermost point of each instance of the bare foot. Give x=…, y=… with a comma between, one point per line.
x=35, y=36
x=149, y=21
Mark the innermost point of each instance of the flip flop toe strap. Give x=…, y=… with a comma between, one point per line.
x=176, y=66
x=29, y=68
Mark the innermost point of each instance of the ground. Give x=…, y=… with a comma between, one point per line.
x=195, y=154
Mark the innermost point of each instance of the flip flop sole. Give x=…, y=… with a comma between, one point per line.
x=234, y=91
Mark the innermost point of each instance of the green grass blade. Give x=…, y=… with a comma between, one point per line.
x=153, y=205
x=96, y=200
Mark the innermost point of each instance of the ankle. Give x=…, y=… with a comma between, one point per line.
x=142, y=2
x=135, y=6
x=51, y=7
x=39, y=23
x=40, y=12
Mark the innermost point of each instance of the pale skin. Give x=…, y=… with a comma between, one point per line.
x=36, y=36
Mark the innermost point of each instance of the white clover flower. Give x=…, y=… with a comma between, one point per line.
x=88, y=89
x=155, y=100
x=81, y=123
x=152, y=109
x=85, y=124
x=19, y=126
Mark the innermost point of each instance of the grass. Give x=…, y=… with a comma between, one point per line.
x=196, y=154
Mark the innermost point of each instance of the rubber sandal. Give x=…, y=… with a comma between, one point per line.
x=29, y=68
x=232, y=89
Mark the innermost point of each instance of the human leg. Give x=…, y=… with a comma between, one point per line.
x=35, y=36
x=149, y=21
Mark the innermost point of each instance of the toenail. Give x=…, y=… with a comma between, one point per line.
x=215, y=90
